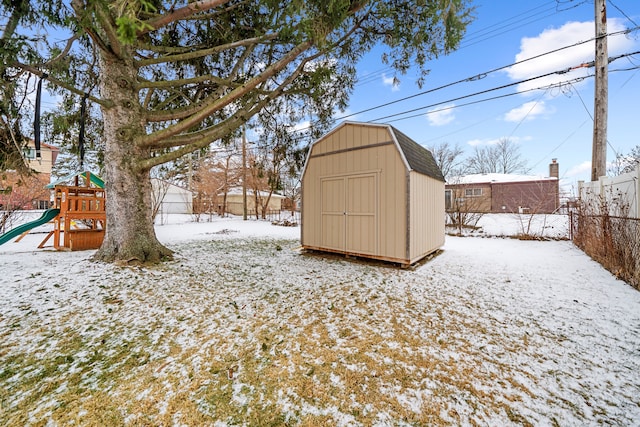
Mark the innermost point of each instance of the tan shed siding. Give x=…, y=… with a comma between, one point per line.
x=351, y=136
x=393, y=204
x=382, y=161
x=427, y=215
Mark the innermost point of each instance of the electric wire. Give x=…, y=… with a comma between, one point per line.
x=478, y=76
x=563, y=71
x=622, y=12
x=546, y=87
x=483, y=34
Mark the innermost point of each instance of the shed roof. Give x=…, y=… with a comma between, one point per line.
x=415, y=156
x=419, y=158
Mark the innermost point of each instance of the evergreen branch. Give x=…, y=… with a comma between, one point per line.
x=219, y=104
x=205, y=52
x=80, y=9
x=181, y=13
x=201, y=139
x=35, y=71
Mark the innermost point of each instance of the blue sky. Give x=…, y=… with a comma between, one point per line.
x=545, y=123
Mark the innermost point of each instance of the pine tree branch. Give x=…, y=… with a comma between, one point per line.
x=181, y=13
x=201, y=139
x=205, y=52
x=220, y=103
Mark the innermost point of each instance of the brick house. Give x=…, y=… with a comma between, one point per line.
x=17, y=192
x=504, y=193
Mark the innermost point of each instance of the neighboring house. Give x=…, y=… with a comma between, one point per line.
x=170, y=199
x=369, y=190
x=234, y=203
x=18, y=192
x=504, y=193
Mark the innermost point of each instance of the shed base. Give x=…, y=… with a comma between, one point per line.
x=402, y=263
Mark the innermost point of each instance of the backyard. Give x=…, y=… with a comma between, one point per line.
x=243, y=328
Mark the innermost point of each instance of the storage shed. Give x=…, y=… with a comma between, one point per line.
x=369, y=190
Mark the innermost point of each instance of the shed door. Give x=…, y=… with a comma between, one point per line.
x=333, y=213
x=350, y=214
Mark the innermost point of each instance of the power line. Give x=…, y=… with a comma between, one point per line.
x=478, y=36
x=480, y=75
x=516, y=23
x=473, y=94
x=493, y=98
x=563, y=71
x=490, y=32
x=547, y=87
x=622, y=12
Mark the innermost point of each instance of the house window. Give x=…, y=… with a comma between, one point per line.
x=447, y=199
x=472, y=192
x=30, y=153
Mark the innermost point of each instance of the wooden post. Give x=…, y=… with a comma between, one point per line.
x=599, y=154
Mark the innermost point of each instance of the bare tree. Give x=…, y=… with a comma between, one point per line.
x=625, y=163
x=159, y=189
x=217, y=174
x=463, y=208
x=503, y=157
x=449, y=158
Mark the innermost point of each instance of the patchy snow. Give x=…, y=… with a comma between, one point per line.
x=491, y=331
x=551, y=226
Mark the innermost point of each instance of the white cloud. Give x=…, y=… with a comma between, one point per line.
x=304, y=125
x=579, y=169
x=475, y=142
x=554, y=38
x=441, y=116
x=391, y=81
x=527, y=111
x=494, y=141
x=346, y=115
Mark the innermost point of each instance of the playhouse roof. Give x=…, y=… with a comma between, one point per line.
x=95, y=179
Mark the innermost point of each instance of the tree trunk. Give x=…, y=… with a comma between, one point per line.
x=130, y=236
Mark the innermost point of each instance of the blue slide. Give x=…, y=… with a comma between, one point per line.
x=47, y=216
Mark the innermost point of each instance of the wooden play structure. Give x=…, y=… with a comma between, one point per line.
x=78, y=213
x=81, y=221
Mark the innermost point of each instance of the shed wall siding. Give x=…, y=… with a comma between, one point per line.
x=337, y=156
x=427, y=215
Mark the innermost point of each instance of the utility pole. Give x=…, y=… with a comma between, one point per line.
x=601, y=93
x=244, y=173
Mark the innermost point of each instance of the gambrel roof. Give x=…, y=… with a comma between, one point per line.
x=419, y=158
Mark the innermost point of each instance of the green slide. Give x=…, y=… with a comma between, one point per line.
x=47, y=216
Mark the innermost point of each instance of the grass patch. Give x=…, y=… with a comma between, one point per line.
x=262, y=340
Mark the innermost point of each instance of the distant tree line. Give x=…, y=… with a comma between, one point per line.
x=503, y=157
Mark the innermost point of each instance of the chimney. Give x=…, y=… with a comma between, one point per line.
x=554, y=169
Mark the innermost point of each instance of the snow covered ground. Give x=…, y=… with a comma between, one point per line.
x=242, y=328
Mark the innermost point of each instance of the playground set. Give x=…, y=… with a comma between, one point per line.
x=78, y=212
x=78, y=215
